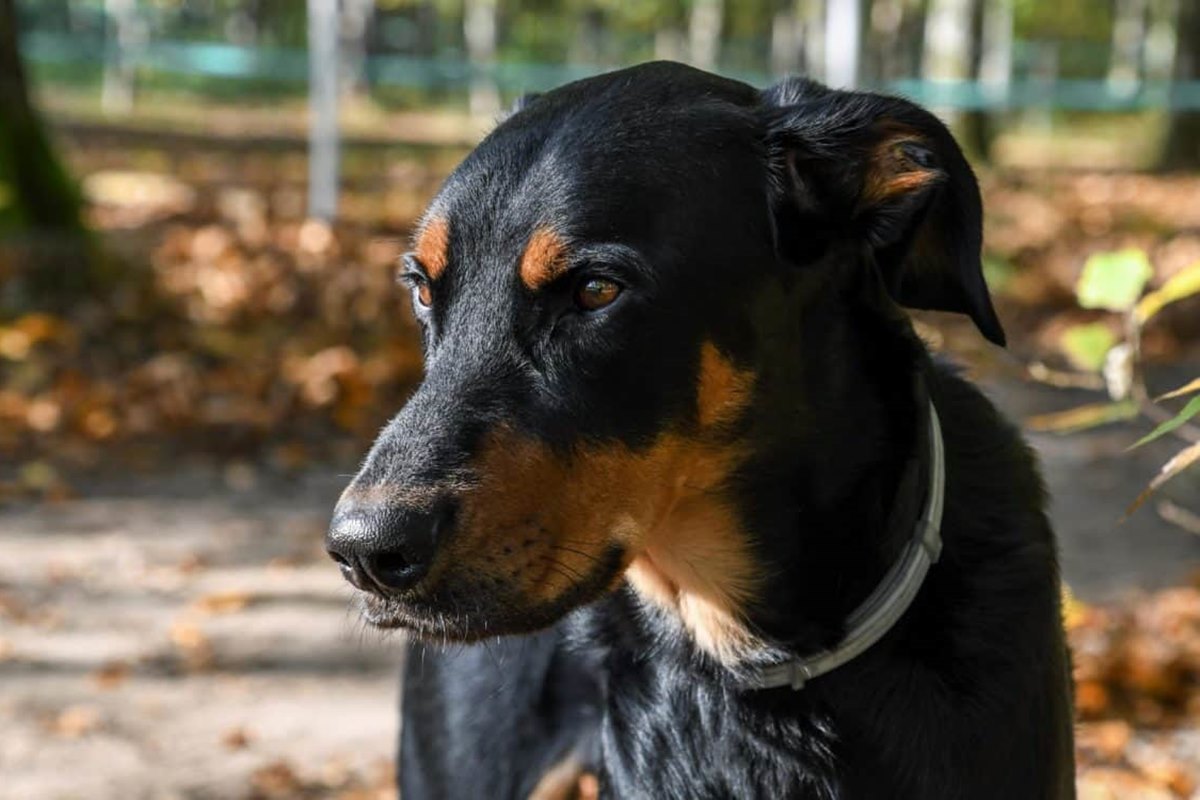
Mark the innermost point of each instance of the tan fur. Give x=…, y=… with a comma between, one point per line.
x=891, y=172
x=723, y=392
x=540, y=523
x=566, y=780
x=433, y=246
x=544, y=258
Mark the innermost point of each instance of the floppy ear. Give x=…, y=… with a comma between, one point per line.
x=889, y=174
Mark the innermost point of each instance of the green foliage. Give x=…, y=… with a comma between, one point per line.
x=1074, y=20
x=1087, y=345
x=1182, y=284
x=998, y=272
x=1187, y=412
x=1113, y=281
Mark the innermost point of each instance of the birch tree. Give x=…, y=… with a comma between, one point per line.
x=704, y=32
x=479, y=32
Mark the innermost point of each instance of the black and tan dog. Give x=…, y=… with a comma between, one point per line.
x=677, y=450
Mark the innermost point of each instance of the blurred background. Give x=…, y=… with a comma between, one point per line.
x=202, y=203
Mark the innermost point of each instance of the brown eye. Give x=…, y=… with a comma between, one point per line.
x=424, y=294
x=593, y=294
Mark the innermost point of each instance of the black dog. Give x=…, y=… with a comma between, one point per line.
x=676, y=466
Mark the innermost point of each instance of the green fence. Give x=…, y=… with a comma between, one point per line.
x=289, y=67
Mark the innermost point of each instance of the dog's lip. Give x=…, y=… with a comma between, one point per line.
x=375, y=612
x=423, y=612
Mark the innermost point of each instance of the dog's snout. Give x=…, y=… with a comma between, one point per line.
x=386, y=549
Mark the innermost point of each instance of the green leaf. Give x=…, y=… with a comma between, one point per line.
x=1178, y=463
x=1114, y=280
x=1190, y=387
x=1086, y=345
x=1189, y=411
x=1083, y=417
x=998, y=273
x=1184, y=283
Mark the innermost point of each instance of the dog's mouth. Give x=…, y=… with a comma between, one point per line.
x=465, y=604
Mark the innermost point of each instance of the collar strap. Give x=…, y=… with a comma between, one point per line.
x=868, y=623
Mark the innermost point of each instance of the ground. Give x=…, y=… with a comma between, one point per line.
x=171, y=446
x=185, y=636
x=178, y=638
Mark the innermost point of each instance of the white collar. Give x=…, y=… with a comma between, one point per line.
x=876, y=615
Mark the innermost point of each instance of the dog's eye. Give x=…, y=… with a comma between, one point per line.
x=424, y=294
x=592, y=294
x=418, y=284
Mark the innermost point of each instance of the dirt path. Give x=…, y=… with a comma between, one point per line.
x=175, y=638
x=189, y=642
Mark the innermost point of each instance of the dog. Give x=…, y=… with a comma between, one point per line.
x=683, y=507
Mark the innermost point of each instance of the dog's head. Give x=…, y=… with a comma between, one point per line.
x=625, y=292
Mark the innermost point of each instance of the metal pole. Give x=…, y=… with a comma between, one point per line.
x=323, y=109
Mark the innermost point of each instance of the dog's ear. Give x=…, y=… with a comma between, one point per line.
x=889, y=174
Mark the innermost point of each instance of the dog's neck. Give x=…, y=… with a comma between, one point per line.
x=830, y=521
x=832, y=552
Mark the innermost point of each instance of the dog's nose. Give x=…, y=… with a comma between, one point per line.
x=385, y=549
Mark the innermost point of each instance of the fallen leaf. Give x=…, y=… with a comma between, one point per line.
x=193, y=644
x=1178, y=463
x=1082, y=417
x=222, y=602
x=1188, y=388
x=111, y=674
x=1107, y=739
x=76, y=721
x=276, y=780
x=236, y=738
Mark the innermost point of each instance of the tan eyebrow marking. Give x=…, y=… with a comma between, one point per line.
x=892, y=172
x=433, y=245
x=544, y=259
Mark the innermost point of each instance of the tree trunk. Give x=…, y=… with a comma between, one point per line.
x=947, y=55
x=1162, y=35
x=993, y=71
x=35, y=192
x=953, y=29
x=44, y=251
x=704, y=32
x=1183, y=132
x=886, y=19
x=356, y=19
x=479, y=31
x=812, y=12
x=1128, y=39
x=117, y=93
x=587, y=43
x=324, y=94
x=843, y=42
x=787, y=42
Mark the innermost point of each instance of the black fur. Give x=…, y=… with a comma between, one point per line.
x=741, y=219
